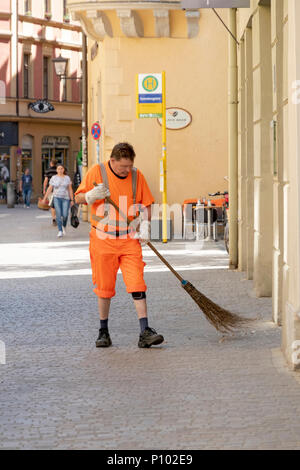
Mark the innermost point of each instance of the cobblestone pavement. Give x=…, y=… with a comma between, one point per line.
x=198, y=390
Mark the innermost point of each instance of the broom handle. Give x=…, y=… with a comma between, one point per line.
x=108, y=199
x=165, y=261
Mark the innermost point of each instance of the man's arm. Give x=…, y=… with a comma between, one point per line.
x=49, y=190
x=45, y=184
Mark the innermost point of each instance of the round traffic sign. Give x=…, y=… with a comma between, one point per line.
x=96, y=131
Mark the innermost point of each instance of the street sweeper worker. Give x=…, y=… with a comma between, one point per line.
x=113, y=243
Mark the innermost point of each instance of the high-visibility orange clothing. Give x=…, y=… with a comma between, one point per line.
x=109, y=253
x=107, y=256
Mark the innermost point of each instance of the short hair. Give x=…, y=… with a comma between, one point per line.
x=123, y=150
x=54, y=162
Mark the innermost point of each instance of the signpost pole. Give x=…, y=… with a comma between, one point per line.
x=164, y=161
x=98, y=152
x=151, y=103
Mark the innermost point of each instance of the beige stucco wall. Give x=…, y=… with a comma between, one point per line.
x=291, y=314
x=269, y=49
x=196, y=80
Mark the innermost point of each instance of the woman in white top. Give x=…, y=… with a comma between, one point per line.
x=61, y=186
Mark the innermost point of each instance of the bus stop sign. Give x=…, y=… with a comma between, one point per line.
x=195, y=4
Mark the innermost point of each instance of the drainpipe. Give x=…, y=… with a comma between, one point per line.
x=84, y=119
x=233, y=143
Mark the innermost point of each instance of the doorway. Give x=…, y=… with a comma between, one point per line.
x=54, y=148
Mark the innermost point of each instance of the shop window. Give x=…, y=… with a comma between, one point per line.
x=65, y=85
x=66, y=16
x=26, y=75
x=27, y=146
x=47, y=9
x=27, y=7
x=55, y=148
x=4, y=172
x=45, y=77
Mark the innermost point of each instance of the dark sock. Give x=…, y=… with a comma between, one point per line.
x=104, y=324
x=143, y=323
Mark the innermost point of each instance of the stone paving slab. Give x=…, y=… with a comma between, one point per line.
x=198, y=390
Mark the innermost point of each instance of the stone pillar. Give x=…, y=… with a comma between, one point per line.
x=291, y=314
x=249, y=153
x=263, y=181
x=277, y=156
x=242, y=258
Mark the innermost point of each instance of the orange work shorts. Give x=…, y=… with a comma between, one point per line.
x=107, y=256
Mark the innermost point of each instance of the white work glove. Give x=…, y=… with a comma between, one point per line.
x=98, y=192
x=144, y=232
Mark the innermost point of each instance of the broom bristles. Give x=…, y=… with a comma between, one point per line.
x=223, y=320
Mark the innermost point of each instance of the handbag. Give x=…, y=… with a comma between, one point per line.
x=42, y=206
x=74, y=218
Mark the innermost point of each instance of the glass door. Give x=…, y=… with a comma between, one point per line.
x=47, y=155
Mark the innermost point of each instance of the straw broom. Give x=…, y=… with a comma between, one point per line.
x=223, y=320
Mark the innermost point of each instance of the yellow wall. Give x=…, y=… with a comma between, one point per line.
x=196, y=80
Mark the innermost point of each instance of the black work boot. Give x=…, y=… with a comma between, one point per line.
x=149, y=337
x=103, y=340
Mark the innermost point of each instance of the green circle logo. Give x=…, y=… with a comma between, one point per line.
x=150, y=83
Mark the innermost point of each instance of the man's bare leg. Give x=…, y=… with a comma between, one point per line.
x=141, y=308
x=104, y=305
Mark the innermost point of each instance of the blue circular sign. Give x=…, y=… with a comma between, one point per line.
x=96, y=131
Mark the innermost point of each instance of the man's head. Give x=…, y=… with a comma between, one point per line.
x=122, y=158
x=53, y=163
x=27, y=171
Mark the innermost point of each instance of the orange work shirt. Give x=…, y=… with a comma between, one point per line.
x=120, y=192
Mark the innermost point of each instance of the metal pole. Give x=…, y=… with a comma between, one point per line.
x=164, y=161
x=84, y=118
x=98, y=152
x=233, y=144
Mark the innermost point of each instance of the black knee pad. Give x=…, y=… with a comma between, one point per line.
x=138, y=295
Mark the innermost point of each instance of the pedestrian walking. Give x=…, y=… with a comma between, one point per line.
x=47, y=177
x=63, y=197
x=26, y=187
x=113, y=243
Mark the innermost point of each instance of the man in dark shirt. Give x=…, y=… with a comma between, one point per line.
x=48, y=175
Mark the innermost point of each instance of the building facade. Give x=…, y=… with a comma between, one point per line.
x=130, y=38
x=126, y=38
x=40, y=114
x=269, y=135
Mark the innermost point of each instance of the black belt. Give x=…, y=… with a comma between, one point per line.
x=116, y=234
